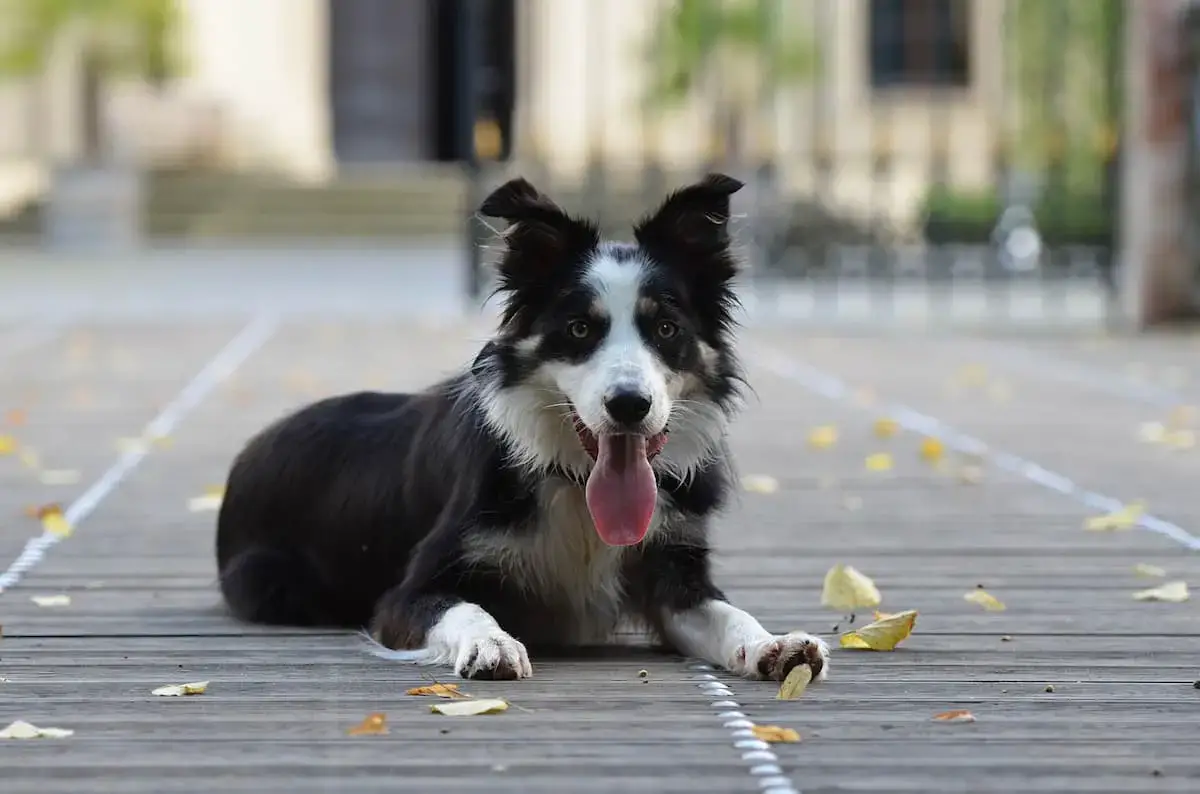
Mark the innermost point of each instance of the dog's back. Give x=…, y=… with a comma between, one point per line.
x=310, y=530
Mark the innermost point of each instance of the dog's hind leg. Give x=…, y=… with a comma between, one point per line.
x=263, y=585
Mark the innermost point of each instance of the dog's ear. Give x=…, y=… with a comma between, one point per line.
x=540, y=233
x=693, y=217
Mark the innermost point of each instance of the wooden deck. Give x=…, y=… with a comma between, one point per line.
x=1076, y=687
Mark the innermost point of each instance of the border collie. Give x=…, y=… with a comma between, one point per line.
x=560, y=485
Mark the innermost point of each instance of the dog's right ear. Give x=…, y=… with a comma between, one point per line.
x=540, y=232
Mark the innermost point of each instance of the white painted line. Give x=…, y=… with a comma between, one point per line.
x=835, y=389
x=232, y=356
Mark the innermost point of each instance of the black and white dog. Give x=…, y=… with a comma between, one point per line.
x=560, y=485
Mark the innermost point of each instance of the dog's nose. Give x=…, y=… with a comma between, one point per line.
x=627, y=406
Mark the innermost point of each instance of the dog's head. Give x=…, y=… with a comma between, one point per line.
x=602, y=340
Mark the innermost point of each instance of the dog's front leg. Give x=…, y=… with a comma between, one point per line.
x=449, y=630
x=724, y=635
x=672, y=587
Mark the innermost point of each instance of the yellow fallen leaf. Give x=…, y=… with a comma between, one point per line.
x=210, y=500
x=1152, y=432
x=127, y=446
x=882, y=635
x=973, y=375
x=760, y=483
x=1000, y=392
x=26, y=730
x=373, y=725
x=1180, y=439
x=796, y=682
x=1182, y=416
x=59, y=476
x=1171, y=592
x=470, y=708
x=986, y=600
x=1149, y=571
x=438, y=690
x=8, y=445
x=51, y=600
x=774, y=734
x=959, y=715
x=823, y=437
x=932, y=449
x=1125, y=518
x=970, y=474
x=181, y=690
x=54, y=522
x=880, y=461
x=846, y=589
x=877, y=615
x=886, y=428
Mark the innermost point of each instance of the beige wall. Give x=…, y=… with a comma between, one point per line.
x=584, y=75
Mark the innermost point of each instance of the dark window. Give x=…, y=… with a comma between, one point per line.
x=919, y=43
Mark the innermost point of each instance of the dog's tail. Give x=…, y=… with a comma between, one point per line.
x=414, y=656
x=262, y=585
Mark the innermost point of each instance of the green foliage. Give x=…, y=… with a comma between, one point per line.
x=1064, y=216
x=122, y=37
x=1065, y=68
x=692, y=40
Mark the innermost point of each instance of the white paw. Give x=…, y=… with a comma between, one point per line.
x=492, y=656
x=774, y=658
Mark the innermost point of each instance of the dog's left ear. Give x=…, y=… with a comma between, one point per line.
x=693, y=217
x=540, y=234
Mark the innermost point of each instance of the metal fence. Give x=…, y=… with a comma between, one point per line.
x=919, y=153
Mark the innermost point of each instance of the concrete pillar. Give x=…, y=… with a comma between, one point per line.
x=1159, y=280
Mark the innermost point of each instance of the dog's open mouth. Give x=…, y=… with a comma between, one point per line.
x=621, y=490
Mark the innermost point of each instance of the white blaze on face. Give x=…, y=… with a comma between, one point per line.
x=623, y=358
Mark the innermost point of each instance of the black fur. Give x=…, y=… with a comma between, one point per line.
x=356, y=510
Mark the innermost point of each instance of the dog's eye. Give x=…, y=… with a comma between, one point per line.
x=579, y=329
x=667, y=329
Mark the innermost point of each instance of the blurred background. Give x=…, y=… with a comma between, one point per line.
x=907, y=161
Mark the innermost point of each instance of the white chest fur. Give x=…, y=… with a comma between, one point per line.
x=562, y=562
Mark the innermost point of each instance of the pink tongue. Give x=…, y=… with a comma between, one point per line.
x=621, y=490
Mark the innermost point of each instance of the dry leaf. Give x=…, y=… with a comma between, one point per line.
x=886, y=428
x=51, y=600
x=760, y=483
x=15, y=418
x=1149, y=571
x=181, y=690
x=847, y=590
x=1180, y=439
x=374, y=725
x=26, y=730
x=882, y=635
x=932, y=449
x=55, y=523
x=986, y=600
x=775, y=734
x=880, y=461
x=8, y=445
x=960, y=715
x=796, y=682
x=59, y=476
x=1182, y=416
x=1152, y=432
x=1171, y=592
x=823, y=437
x=470, y=708
x=1125, y=518
x=438, y=690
